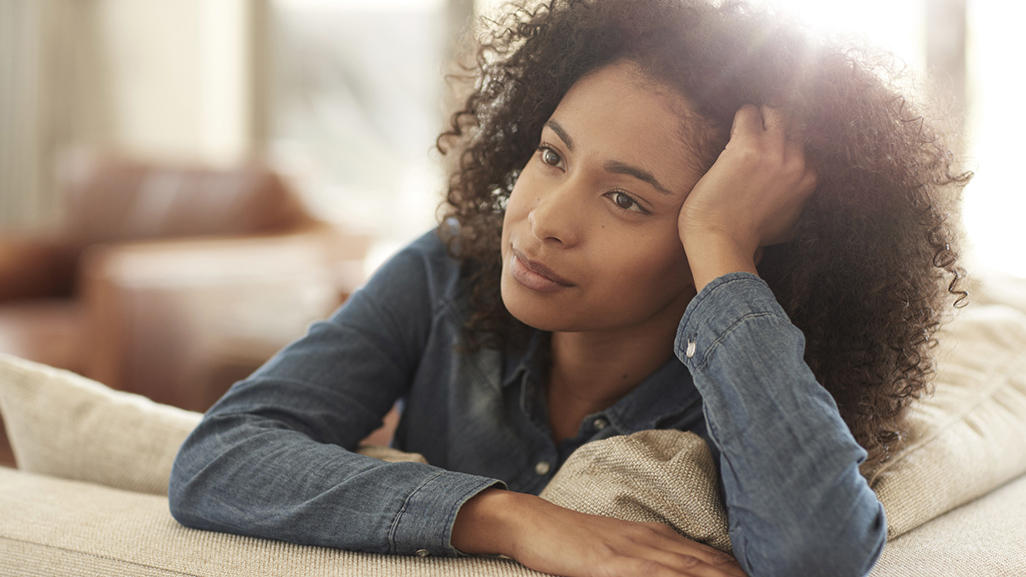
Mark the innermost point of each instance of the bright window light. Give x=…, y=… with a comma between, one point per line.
x=995, y=200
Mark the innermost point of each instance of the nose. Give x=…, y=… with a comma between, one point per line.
x=555, y=217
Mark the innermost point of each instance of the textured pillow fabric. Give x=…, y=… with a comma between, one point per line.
x=63, y=528
x=968, y=438
x=660, y=476
x=66, y=425
x=985, y=537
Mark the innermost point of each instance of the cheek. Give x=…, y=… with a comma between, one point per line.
x=659, y=273
x=515, y=206
x=517, y=202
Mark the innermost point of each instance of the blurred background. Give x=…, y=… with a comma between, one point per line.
x=186, y=184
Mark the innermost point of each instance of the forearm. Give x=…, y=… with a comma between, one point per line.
x=246, y=475
x=710, y=257
x=273, y=458
x=484, y=524
x=796, y=500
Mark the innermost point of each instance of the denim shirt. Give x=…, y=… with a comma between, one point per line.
x=274, y=457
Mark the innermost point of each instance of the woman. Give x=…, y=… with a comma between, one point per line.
x=664, y=215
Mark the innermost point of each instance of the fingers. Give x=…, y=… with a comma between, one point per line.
x=707, y=560
x=692, y=558
x=747, y=122
x=681, y=564
x=575, y=544
x=781, y=129
x=765, y=175
x=751, y=120
x=763, y=130
x=776, y=121
x=687, y=567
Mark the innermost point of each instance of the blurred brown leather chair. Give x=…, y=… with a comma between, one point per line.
x=171, y=281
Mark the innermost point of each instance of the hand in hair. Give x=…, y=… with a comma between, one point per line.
x=552, y=539
x=750, y=198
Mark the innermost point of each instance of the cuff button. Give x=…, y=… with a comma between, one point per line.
x=423, y=552
x=691, y=349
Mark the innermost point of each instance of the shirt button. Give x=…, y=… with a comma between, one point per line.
x=423, y=552
x=691, y=349
x=599, y=423
x=542, y=468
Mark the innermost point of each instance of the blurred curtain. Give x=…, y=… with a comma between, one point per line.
x=46, y=51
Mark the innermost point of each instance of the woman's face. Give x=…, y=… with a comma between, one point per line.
x=589, y=239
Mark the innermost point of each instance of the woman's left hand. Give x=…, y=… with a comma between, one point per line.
x=750, y=198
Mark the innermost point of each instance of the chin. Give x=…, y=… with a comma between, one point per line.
x=533, y=312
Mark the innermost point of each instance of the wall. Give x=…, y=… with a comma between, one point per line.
x=169, y=79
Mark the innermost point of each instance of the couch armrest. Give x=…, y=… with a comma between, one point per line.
x=179, y=321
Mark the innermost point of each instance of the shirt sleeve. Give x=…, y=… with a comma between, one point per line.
x=796, y=502
x=274, y=457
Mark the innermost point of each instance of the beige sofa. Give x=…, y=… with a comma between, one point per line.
x=89, y=497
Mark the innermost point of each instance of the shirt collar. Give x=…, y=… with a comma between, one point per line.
x=664, y=394
x=531, y=358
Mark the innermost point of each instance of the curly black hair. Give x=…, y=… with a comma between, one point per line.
x=875, y=255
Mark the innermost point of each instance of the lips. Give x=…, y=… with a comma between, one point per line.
x=534, y=274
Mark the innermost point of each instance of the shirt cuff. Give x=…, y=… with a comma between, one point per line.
x=723, y=304
x=433, y=505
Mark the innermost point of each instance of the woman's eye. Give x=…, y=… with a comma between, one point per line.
x=549, y=156
x=625, y=202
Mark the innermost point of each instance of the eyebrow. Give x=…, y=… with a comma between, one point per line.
x=614, y=166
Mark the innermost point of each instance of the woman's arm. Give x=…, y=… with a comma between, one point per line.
x=274, y=459
x=796, y=502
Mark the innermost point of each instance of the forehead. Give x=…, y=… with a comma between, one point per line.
x=616, y=113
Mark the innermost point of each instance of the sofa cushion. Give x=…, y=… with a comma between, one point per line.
x=58, y=527
x=985, y=537
x=63, y=528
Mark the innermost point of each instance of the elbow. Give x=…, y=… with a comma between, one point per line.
x=198, y=479
x=850, y=551
x=179, y=495
x=191, y=486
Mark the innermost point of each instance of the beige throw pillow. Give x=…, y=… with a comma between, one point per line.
x=63, y=424
x=660, y=476
x=66, y=425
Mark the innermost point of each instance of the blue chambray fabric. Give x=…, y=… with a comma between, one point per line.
x=274, y=457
